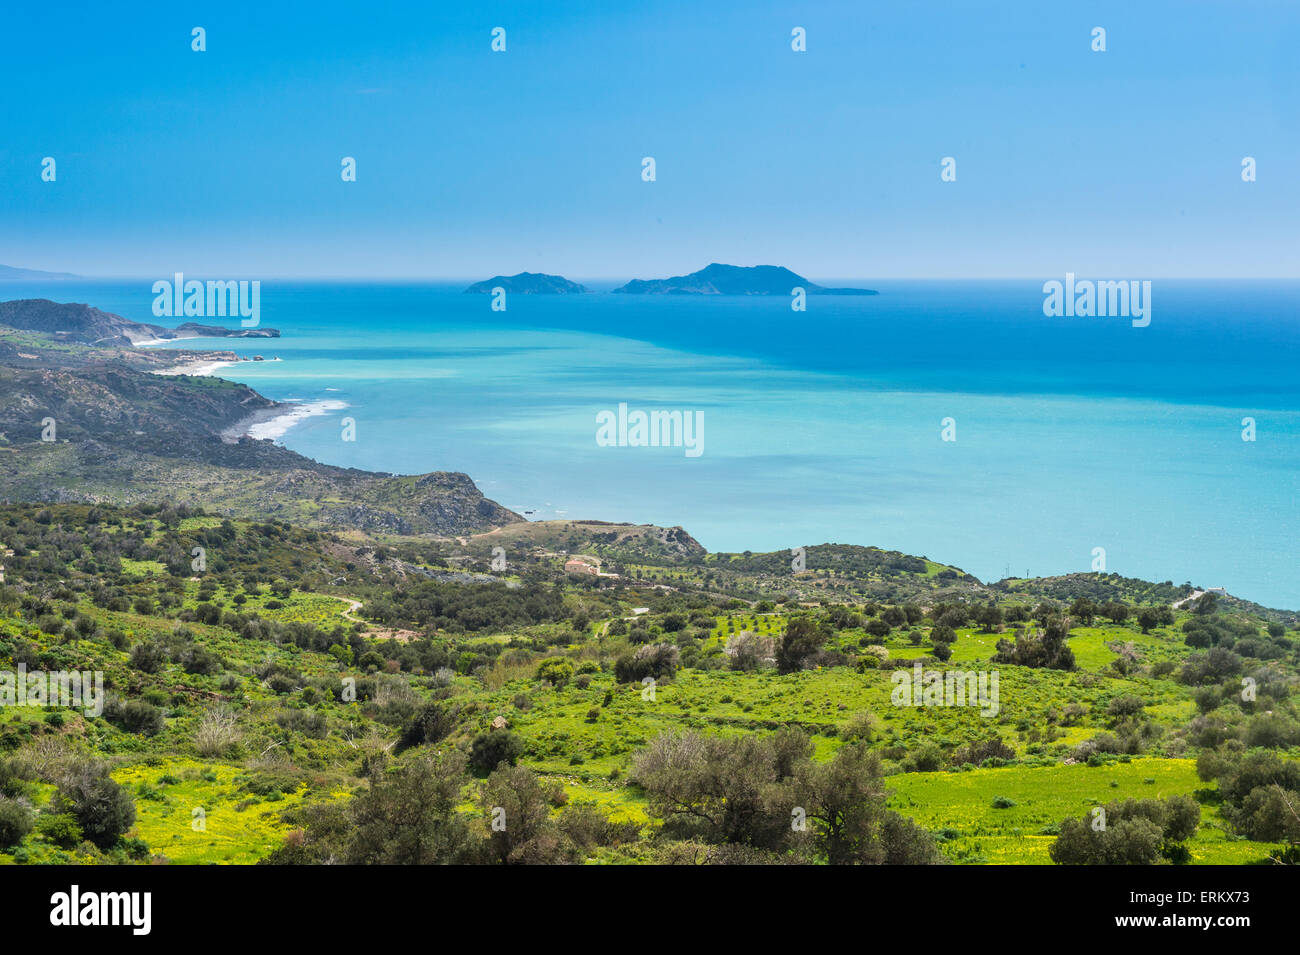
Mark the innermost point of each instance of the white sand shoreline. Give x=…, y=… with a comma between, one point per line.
x=199, y=368
x=273, y=423
x=266, y=424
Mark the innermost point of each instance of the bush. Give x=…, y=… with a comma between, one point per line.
x=135, y=716
x=556, y=671
x=310, y=723
x=1133, y=832
x=878, y=628
x=408, y=816
x=492, y=748
x=102, y=808
x=60, y=829
x=1212, y=666
x=432, y=724
x=15, y=822
x=656, y=660
x=861, y=726
x=802, y=639
x=1272, y=731
x=927, y=759
x=147, y=657
x=977, y=753
x=11, y=782
x=200, y=661
x=1047, y=648
x=1122, y=706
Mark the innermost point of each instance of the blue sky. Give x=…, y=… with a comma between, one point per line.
x=1123, y=163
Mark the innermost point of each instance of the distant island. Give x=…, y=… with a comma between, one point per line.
x=529, y=283
x=9, y=273
x=717, y=279
x=86, y=325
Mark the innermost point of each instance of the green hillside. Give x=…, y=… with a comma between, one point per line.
x=287, y=694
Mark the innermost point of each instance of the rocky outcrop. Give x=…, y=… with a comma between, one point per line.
x=86, y=325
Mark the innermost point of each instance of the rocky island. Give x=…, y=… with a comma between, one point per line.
x=529, y=283
x=717, y=279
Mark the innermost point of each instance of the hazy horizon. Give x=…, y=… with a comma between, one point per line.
x=610, y=279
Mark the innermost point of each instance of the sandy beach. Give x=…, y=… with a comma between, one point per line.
x=266, y=424
x=193, y=368
x=272, y=423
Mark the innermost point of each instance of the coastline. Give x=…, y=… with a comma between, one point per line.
x=266, y=424
x=1044, y=527
x=200, y=368
x=272, y=423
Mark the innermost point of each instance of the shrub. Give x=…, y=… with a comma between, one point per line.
x=926, y=759
x=15, y=822
x=556, y=671
x=878, y=628
x=1133, y=832
x=1122, y=706
x=200, y=661
x=860, y=726
x=59, y=828
x=492, y=748
x=431, y=725
x=748, y=651
x=1047, y=648
x=802, y=639
x=407, y=816
x=135, y=716
x=977, y=753
x=147, y=657
x=11, y=782
x=310, y=723
x=656, y=660
x=1272, y=731
x=102, y=808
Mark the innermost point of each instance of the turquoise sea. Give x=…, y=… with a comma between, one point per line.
x=1071, y=433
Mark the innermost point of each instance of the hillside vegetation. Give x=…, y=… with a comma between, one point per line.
x=96, y=424
x=278, y=693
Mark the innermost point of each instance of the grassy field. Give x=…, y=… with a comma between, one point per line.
x=204, y=813
x=961, y=806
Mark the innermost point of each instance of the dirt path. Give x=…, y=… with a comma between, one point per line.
x=353, y=607
x=375, y=633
